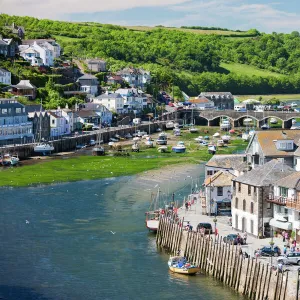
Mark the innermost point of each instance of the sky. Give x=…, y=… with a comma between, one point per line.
x=264, y=15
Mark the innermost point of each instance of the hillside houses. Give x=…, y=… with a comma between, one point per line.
x=5, y=76
x=135, y=77
x=89, y=84
x=8, y=47
x=96, y=65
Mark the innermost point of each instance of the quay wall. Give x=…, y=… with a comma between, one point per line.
x=252, y=278
x=69, y=143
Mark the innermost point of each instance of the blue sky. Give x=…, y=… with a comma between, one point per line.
x=265, y=15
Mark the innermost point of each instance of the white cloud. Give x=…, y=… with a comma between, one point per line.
x=58, y=8
x=237, y=14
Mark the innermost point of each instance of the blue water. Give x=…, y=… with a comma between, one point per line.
x=56, y=243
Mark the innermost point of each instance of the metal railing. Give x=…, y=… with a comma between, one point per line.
x=280, y=200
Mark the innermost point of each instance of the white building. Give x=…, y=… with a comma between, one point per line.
x=88, y=84
x=134, y=99
x=5, y=76
x=31, y=55
x=218, y=193
x=59, y=125
x=135, y=77
x=50, y=44
x=113, y=101
x=202, y=103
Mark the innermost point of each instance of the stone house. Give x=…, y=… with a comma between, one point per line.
x=41, y=125
x=96, y=65
x=218, y=193
x=251, y=212
x=234, y=163
x=8, y=47
x=89, y=84
x=222, y=100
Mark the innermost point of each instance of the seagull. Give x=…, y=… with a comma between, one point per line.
x=113, y=232
x=27, y=222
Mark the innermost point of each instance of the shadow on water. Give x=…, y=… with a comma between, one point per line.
x=19, y=292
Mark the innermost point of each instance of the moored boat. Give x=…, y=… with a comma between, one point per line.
x=162, y=149
x=245, y=136
x=273, y=121
x=180, y=265
x=162, y=139
x=152, y=216
x=212, y=149
x=220, y=143
x=14, y=160
x=179, y=148
x=226, y=138
x=44, y=148
x=193, y=129
x=170, y=125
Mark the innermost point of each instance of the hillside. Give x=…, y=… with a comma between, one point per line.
x=192, y=60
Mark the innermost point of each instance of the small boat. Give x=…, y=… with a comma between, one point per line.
x=162, y=149
x=206, y=137
x=135, y=147
x=113, y=140
x=176, y=125
x=273, y=121
x=226, y=138
x=203, y=143
x=220, y=143
x=245, y=136
x=152, y=216
x=294, y=121
x=98, y=151
x=44, y=148
x=14, y=160
x=294, y=104
x=179, y=148
x=180, y=265
x=6, y=159
x=193, y=130
x=162, y=139
x=177, y=132
x=136, y=139
x=265, y=127
x=149, y=144
x=110, y=144
x=247, y=121
x=158, y=130
x=170, y=125
x=225, y=125
x=217, y=134
x=199, y=138
x=212, y=149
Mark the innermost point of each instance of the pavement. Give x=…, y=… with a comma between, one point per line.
x=194, y=216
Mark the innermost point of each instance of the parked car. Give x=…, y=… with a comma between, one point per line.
x=269, y=251
x=92, y=143
x=206, y=226
x=113, y=140
x=233, y=238
x=290, y=259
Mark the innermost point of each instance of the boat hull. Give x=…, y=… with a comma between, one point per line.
x=178, y=150
x=161, y=142
x=152, y=225
x=185, y=271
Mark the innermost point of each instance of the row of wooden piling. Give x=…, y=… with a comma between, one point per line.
x=225, y=262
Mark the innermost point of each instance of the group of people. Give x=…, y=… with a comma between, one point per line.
x=188, y=205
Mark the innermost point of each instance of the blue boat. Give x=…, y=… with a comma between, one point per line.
x=179, y=148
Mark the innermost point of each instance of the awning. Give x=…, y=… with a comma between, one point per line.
x=281, y=225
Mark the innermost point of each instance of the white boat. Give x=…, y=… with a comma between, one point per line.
x=162, y=139
x=152, y=216
x=212, y=149
x=217, y=134
x=294, y=121
x=193, y=130
x=179, y=148
x=199, y=138
x=162, y=149
x=14, y=160
x=273, y=121
x=220, y=143
x=136, y=139
x=226, y=138
x=294, y=104
x=128, y=136
x=265, y=127
x=247, y=121
x=170, y=125
x=245, y=136
x=180, y=265
x=44, y=148
x=225, y=125
x=149, y=144
x=135, y=147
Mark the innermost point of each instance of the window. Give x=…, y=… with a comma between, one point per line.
x=209, y=172
x=251, y=226
x=286, y=211
x=240, y=186
x=233, y=184
x=254, y=190
x=53, y=122
x=249, y=190
x=236, y=202
x=244, y=205
x=4, y=110
x=220, y=191
x=283, y=191
x=268, y=205
x=18, y=110
x=251, y=207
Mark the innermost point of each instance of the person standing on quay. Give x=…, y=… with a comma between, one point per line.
x=245, y=237
x=283, y=236
x=186, y=206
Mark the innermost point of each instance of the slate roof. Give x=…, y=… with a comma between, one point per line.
x=266, y=174
x=292, y=181
x=87, y=76
x=3, y=71
x=266, y=140
x=228, y=161
x=33, y=108
x=87, y=113
x=106, y=96
x=221, y=178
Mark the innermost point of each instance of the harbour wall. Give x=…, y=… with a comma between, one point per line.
x=254, y=279
x=69, y=143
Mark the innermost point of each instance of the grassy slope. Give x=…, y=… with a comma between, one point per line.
x=90, y=167
x=248, y=70
x=282, y=97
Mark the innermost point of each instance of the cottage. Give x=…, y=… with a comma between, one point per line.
x=30, y=54
x=104, y=113
x=135, y=77
x=25, y=89
x=8, y=47
x=14, y=125
x=113, y=101
x=49, y=44
x=218, y=193
x=5, y=76
x=115, y=79
x=96, y=65
x=251, y=212
x=88, y=84
x=222, y=100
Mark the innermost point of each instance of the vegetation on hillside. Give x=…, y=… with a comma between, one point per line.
x=188, y=61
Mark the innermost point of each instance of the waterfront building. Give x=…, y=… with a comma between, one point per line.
x=112, y=101
x=40, y=125
x=270, y=144
x=88, y=117
x=72, y=118
x=134, y=99
x=202, y=103
x=14, y=125
x=5, y=76
x=251, y=212
x=218, y=193
x=285, y=199
x=221, y=100
x=104, y=113
x=235, y=163
x=59, y=125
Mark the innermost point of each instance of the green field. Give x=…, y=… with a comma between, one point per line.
x=248, y=70
x=91, y=167
x=281, y=97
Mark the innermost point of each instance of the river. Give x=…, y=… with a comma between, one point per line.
x=87, y=240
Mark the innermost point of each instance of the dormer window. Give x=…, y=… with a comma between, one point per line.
x=284, y=144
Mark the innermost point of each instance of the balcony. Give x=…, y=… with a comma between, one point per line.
x=279, y=200
x=293, y=204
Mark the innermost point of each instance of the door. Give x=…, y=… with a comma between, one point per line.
x=244, y=227
x=236, y=222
